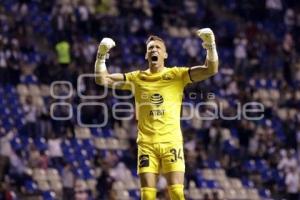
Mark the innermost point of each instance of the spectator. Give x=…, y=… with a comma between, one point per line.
x=43, y=160
x=240, y=52
x=30, y=117
x=34, y=157
x=81, y=190
x=63, y=50
x=292, y=183
x=206, y=196
x=68, y=181
x=55, y=152
x=287, y=161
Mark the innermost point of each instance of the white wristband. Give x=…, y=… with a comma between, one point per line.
x=100, y=65
x=212, y=54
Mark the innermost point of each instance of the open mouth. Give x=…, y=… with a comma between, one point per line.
x=154, y=58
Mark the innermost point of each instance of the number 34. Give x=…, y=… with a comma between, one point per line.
x=177, y=155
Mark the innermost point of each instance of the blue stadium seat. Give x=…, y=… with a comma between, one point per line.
x=97, y=132
x=266, y=175
x=20, y=122
x=265, y=193
x=16, y=143
x=87, y=144
x=201, y=183
x=78, y=173
x=212, y=184
x=30, y=186
x=41, y=143
x=134, y=194
x=107, y=132
x=261, y=165
x=49, y=195
x=247, y=183
x=10, y=89
x=250, y=165
x=212, y=164
x=88, y=174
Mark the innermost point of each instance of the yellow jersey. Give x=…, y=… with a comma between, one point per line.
x=158, y=100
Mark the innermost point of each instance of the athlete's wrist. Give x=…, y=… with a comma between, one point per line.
x=100, y=65
x=211, y=52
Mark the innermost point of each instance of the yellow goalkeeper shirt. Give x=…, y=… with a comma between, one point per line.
x=158, y=99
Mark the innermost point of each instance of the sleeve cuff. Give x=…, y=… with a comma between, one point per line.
x=189, y=71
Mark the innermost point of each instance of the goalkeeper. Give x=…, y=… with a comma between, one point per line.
x=158, y=95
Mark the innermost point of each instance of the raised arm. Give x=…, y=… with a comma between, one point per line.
x=102, y=77
x=210, y=68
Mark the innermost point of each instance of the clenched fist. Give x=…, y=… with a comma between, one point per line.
x=105, y=45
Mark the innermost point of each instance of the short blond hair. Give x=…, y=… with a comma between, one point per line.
x=153, y=38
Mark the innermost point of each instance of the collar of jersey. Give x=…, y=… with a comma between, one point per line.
x=148, y=76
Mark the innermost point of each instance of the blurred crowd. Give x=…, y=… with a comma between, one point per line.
x=46, y=41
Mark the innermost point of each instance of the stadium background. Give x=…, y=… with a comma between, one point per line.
x=46, y=41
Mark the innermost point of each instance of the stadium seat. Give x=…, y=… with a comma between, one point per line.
x=16, y=143
x=211, y=184
x=97, y=132
x=261, y=165
x=225, y=184
x=30, y=186
x=235, y=183
x=88, y=174
x=124, y=144
x=10, y=89
x=253, y=194
x=44, y=90
x=118, y=185
x=43, y=185
x=231, y=194
x=100, y=143
x=219, y=173
x=56, y=185
x=34, y=90
x=194, y=194
x=134, y=194
x=220, y=192
x=242, y=194
x=82, y=133
x=41, y=143
x=112, y=143
x=250, y=165
x=265, y=193
x=274, y=94
x=52, y=174
x=38, y=101
x=122, y=195
x=208, y=174
x=39, y=174
x=204, y=191
x=130, y=184
x=49, y=195
x=247, y=183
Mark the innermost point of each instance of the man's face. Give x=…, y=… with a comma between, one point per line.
x=156, y=53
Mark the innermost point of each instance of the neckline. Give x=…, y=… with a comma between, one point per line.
x=149, y=72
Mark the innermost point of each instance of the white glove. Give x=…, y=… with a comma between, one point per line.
x=207, y=36
x=105, y=45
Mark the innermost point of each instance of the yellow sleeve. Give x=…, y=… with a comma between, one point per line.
x=129, y=80
x=131, y=76
x=184, y=74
